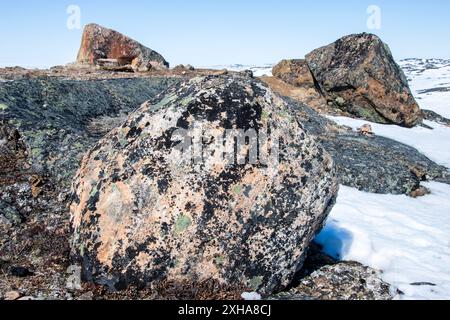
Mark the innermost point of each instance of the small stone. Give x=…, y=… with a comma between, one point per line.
x=20, y=272
x=420, y=192
x=88, y=296
x=366, y=130
x=12, y=295
x=74, y=280
x=248, y=73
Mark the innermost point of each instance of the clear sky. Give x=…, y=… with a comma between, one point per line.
x=210, y=32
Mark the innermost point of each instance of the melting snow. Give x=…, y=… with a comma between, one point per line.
x=408, y=239
x=433, y=143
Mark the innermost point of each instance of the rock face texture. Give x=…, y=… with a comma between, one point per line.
x=100, y=45
x=369, y=163
x=294, y=72
x=47, y=125
x=142, y=214
x=13, y=152
x=342, y=281
x=359, y=76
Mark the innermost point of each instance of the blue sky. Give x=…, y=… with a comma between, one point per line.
x=202, y=33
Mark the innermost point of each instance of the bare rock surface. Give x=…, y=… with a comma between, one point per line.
x=368, y=162
x=341, y=281
x=141, y=216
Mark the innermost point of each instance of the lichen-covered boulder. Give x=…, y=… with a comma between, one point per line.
x=99, y=44
x=359, y=76
x=144, y=212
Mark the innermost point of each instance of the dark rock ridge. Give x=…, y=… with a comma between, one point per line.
x=358, y=77
x=142, y=216
x=370, y=163
x=46, y=126
x=112, y=50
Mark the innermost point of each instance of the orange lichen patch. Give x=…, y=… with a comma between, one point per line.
x=307, y=95
x=114, y=210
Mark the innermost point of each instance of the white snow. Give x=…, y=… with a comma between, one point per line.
x=408, y=239
x=433, y=143
x=258, y=71
x=425, y=74
x=251, y=296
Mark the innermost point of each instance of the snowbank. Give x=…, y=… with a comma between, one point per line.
x=408, y=239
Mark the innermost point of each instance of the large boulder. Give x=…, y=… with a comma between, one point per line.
x=359, y=75
x=100, y=46
x=144, y=212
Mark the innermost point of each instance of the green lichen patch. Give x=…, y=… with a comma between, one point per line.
x=3, y=107
x=237, y=189
x=183, y=222
x=255, y=283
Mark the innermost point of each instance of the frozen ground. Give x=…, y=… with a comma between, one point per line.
x=408, y=239
x=429, y=80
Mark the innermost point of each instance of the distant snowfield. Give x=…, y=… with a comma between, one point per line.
x=258, y=71
x=426, y=74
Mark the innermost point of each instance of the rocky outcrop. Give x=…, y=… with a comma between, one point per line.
x=368, y=162
x=143, y=213
x=358, y=75
x=47, y=125
x=341, y=281
x=99, y=43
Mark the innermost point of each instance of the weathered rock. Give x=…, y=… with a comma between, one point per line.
x=341, y=281
x=308, y=95
x=142, y=214
x=100, y=43
x=48, y=124
x=433, y=116
x=13, y=153
x=12, y=295
x=294, y=72
x=366, y=130
x=359, y=75
x=370, y=163
x=55, y=120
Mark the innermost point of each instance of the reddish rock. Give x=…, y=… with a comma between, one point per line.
x=359, y=76
x=99, y=43
x=294, y=72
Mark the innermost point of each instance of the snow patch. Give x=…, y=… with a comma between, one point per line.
x=258, y=71
x=433, y=143
x=408, y=239
x=251, y=296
